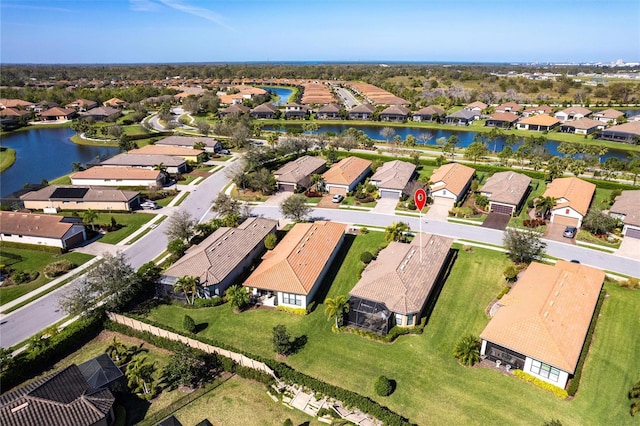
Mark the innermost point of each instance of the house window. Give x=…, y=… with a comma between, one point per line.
x=7, y=235
x=399, y=319
x=292, y=299
x=410, y=319
x=545, y=370
x=566, y=211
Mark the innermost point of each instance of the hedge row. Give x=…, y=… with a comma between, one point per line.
x=560, y=393
x=391, y=336
x=282, y=370
x=295, y=311
x=34, y=247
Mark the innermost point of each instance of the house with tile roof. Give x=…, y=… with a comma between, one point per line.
x=62, y=197
x=220, y=259
x=430, y=113
x=345, y=175
x=295, y=111
x=57, y=114
x=573, y=198
x=64, y=398
x=509, y=107
x=100, y=113
x=264, y=111
x=582, y=126
x=115, y=103
x=291, y=273
x=175, y=165
x=328, y=112
x=608, y=115
x=234, y=110
x=395, y=113
x=506, y=191
x=118, y=176
x=627, y=132
x=393, y=289
x=463, y=117
x=392, y=178
x=573, y=113
x=362, y=112
x=536, y=110
x=476, y=106
x=186, y=153
x=41, y=229
x=210, y=144
x=82, y=104
x=15, y=103
x=451, y=181
x=296, y=174
x=504, y=120
x=626, y=208
x=539, y=123
x=541, y=325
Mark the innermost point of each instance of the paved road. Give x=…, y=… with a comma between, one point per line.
x=348, y=99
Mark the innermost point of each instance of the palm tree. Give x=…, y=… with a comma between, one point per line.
x=189, y=285
x=544, y=204
x=238, y=297
x=89, y=217
x=318, y=182
x=116, y=351
x=467, y=350
x=163, y=171
x=140, y=374
x=387, y=133
x=272, y=140
x=396, y=231
x=336, y=308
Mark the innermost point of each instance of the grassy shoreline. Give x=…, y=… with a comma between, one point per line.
x=7, y=158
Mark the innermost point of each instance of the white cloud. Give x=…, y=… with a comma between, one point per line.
x=181, y=6
x=143, y=5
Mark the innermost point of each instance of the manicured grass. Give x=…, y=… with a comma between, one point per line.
x=62, y=180
x=432, y=388
x=538, y=186
x=241, y=401
x=351, y=201
x=135, y=130
x=131, y=222
x=7, y=158
x=31, y=261
x=602, y=199
x=589, y=238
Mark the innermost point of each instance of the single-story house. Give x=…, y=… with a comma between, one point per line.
x=328, y=112
x=81, y=198
x=15, y=103
x=101, y=372
x=362, y=112
x=627, y=132
x=296, y=174
x=345, y=175
x=234, y=109
x=264, y=111
x=395, y=113
x=509, y=107
x=291, y=273
x=14, y=113
x=476, y=106
x=573, y=113
x=538, y=122
x=210, y=144
x=501, y=119
x=41, y=229
x=63, y=398
x=506, y=191
x=627, y=208
x=582, y=126
x=186, y=153
x=221, y=258
x=392, y=178
x=294, y=111
x=451, y=181
x=608, y=115
x=393, y=289
x=100, y=113
x=542, y=323
x=536, y=110
x=115, y=103
x=430, y=113
x=58, y=114
x=174, y=165
x=573, y=198
x=82, y=104
x=118, y=176
x=463, y=117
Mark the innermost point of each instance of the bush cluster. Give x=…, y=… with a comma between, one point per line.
x=560, y=393
x=632, y=283
x=58, y=268
x=188, y=324
x=533, y=223
x=205, y=303
x=383, y=386
x=366, y=257
x=295, y=311
x=504, y=291
x=463, y=212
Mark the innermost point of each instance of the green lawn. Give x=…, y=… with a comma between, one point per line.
x=602, y=199
x=432, y=388
x=31, y=261
x=131, y=222
x=538, y=186
x=7, y=158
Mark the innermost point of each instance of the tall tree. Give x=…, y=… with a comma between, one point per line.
x=523, y=245
x=189, y=285
x=599, y=222
x=396, y=231
x=336, y=308
x=238, y=297
x=140, y=375
x=387, y=133
x=281, y=340
x=475, y=151
x=225, y=204
x=295, y=207
x=89, y=217
x=180, y=226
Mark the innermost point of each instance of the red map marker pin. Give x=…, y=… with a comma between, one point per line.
x=420, y=198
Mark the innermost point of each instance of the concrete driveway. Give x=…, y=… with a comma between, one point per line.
x=496, y=221
x=439, y=210
x=327, y=203
x=386, y=205
x=554, y=232
x=277, y=198
x=630, y=248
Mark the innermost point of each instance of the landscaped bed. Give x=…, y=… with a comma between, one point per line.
x=432, y=388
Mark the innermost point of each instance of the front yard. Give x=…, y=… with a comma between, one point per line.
x=432, y=388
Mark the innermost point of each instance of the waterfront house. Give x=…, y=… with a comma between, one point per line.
x=573, y=198
x=362, y=112
x=395, y=113
x=344, y=176
x=573, y=113
x=538, y=122
x=60, y=197
x=118, y=176
x=430, y=113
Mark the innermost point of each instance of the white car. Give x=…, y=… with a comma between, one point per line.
x=337, y=198
x=149, y=205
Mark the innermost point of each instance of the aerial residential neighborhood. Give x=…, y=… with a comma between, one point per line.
x=241, y=213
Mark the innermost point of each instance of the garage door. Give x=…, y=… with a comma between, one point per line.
x=337, y=190
x=564, y=220
x=501, y=208
x=632, y=232
x=286, y=187
x=389, y=194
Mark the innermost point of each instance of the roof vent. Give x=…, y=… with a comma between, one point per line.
x=19, y=407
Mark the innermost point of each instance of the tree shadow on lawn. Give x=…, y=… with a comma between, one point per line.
x=200, y=327
x=298, y=343
x=437, y=289
x=135, y=407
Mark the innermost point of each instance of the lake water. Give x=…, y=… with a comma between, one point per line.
x=44, y=154
x=282, y=93
x=466, y=138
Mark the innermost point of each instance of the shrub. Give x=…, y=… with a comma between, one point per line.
x=287, y=422
x=383, y=386
x=366, y=257
x=270, y=241
x=188, y=324
x=411, y=205
x=560, y=393
x=467, y=350
x=58, y=268
x=632, y=282
x=510, y=273
x=364, y=230
x=205, y=303
x=295, y=311
x=21, y=277
x=504, y=291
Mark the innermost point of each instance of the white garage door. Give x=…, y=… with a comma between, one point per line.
x=633, y=233
x=389, y=194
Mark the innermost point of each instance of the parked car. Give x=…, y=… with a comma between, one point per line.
x=570, y=232
x=337, y=198
x=152, y=205
x=225, y=152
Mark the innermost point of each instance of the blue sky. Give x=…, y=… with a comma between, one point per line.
x=135, y=31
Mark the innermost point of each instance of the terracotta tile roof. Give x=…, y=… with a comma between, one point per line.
x=176, y=151
x=57, y=112
x=477, y=104
x=13, y=112
x=395, y=110
x=377, y=95
x=628, y=204
x=453, y=176
x=400, y=278
x=509, y=106
x=298, y=260
x=114, y=102
x=14, y=103
x=584, y=123
x=300, y=169
x=547, y=313
x=504, y=116
x=610, y=113
x=266, y=107
x=81, y=103
x=576, y=110
x=577, y=193
x=346, y=171
x=506, y=187
x=539, y=120
x=235, y=109
x=394, y=175
x=430, y=110
x=363, y=108
x=632, y=127
x=542, y=109
x=188, y=141
x=106, y=172
x=220, y=253
x=88, y=193
x=36, y=225
x=148, y=160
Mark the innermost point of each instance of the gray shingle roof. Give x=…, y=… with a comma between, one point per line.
x=143, y=160
x=394, y=175
x=300, y=169
x=91, y=193
x=506, y=187
x=187, y=141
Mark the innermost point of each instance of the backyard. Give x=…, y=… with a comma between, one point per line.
x=432, y=388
